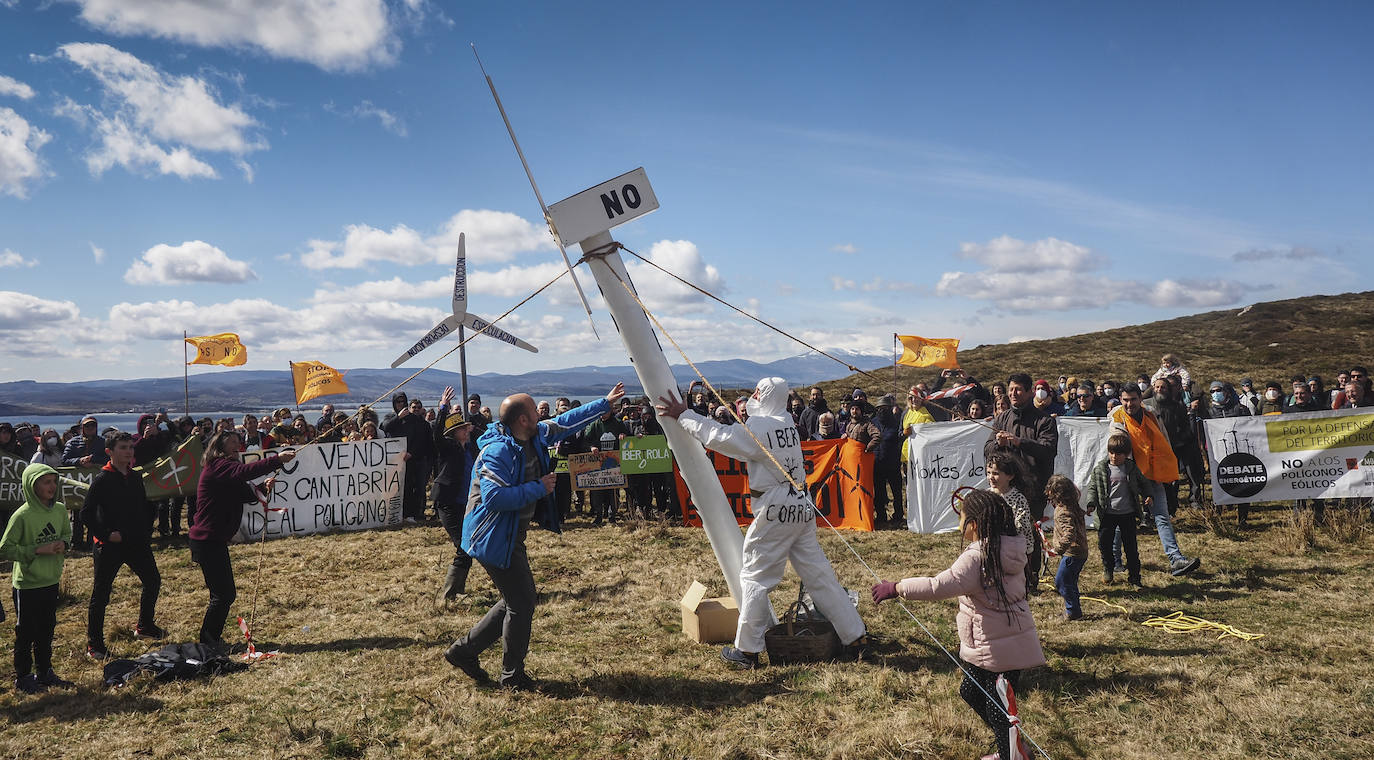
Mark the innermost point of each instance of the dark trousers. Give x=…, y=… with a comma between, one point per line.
x=1190, y=460
x=887, y=475
x=562, y=494
x=108, y=559
x=413, y=498
x=35, y=619
x=213, y=558
x=79, y=538
x=989, y=705
x=1107, y=526
x=604, y=502
x=510, y=619
x=451, y=517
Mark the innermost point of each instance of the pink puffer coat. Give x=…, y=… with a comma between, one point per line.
x=989, y=637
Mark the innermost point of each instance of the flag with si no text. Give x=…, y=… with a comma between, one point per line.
x=929, y=352
x=315, y=379
x=224, y=349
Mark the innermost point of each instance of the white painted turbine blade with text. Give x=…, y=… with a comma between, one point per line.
x=449, y=325
x=474, y=322
x=460, y=279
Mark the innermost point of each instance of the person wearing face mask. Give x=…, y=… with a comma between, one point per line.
x=1045, y=400
x=784, y=526
x=1272, y=403
x=1227, y=403
x=49, y=449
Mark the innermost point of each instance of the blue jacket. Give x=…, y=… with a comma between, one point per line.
x=499, y=490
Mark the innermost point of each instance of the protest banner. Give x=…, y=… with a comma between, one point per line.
x=1307, y=455
x=176, y=474
x=596, y=471
x=354, y=485
x=838, y=475
x=72, y=482
x=946, y=456
x=645, y=455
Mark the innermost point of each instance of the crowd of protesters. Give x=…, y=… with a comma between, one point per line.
x=1156, y=448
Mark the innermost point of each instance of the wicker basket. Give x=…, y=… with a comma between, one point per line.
x=798, y=638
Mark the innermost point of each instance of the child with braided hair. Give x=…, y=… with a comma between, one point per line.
x=997, y=636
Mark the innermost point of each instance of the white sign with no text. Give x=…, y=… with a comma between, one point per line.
x=600, y=208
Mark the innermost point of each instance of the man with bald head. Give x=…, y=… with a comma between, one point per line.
x=510, y=483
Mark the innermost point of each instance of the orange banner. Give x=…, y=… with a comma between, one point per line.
x=839, y=475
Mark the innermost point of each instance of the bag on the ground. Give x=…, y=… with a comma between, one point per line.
x=172, y=662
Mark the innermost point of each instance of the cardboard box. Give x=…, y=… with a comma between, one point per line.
x=708, y=621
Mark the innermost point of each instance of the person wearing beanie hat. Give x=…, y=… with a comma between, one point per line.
x=452, y=478
x=419, y=451
x=1272, y=400
x=1046, y=400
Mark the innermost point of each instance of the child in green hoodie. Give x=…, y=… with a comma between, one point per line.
x=36, y=541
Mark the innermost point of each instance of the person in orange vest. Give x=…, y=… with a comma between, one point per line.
x=1155, y=458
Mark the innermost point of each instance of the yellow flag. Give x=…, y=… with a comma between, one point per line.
x=929, y=352
x=224, y=348
x=315, y=379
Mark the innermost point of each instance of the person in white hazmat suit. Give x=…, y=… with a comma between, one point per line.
x=784, y=524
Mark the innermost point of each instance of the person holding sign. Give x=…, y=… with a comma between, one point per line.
x=784, y=526
x=511, y=480
x=223, y=490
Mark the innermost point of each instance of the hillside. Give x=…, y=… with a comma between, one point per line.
x=1266, y=341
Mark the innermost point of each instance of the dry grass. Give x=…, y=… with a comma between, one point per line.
x=362, y=674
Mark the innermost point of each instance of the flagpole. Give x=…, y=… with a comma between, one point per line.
x=291, y=370
x=185, y=373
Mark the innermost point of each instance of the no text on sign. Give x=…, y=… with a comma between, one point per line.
x=600, y=208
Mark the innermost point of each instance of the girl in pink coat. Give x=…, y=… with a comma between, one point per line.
x=997, y=637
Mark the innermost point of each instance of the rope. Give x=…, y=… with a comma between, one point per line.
x=614, y=246
x=801, y=488
x=1178, y=622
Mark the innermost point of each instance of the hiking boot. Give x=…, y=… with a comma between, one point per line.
x=519, y=682
x=1137, y=582
x=1073, y=615
x=1118, y=568
x=455, y=583
x=1108, y=577
x=459, y=658
x=153, y=631
x=1183, y=566
x=740, y=660
x=97, y=652
x=51, y=678
x=29, y=684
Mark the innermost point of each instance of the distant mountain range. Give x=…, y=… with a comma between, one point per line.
x=259, y=390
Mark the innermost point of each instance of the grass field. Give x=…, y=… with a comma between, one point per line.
x=361, y=673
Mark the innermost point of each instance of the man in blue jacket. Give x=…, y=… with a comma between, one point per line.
x=510, y=483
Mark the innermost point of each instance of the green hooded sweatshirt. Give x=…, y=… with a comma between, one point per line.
x=31, y=526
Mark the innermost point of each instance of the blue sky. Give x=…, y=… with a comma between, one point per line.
x=298, y=172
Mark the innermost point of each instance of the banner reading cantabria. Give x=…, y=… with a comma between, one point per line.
x=1311, y=455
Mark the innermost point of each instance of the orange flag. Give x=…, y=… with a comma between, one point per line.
x=224, y=348
x=929, y=352
x=315, y=379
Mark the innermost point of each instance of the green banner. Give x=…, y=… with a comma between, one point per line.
x=173, y=475
x=645, y=455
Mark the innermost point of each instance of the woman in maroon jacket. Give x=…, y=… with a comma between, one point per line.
x=223, y=490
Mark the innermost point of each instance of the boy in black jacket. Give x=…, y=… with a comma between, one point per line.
x=120, y=522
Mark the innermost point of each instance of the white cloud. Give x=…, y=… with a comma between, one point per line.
x=661, y=292
x=491, y=236
x=848, y=248
x=272, y=327
x=394, y=289
x=838, y=282
x=21, y=311
x=9, y=258
x=331, y=34
x=389, y=121
x=98, y=253
x=12, y=86
x=19, y=146
x=1055, y=275
x=156, y=120
x=1291, y=253
x=192, y=261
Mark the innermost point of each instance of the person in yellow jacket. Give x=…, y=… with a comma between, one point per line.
x=1155, y=458
x=916, y=414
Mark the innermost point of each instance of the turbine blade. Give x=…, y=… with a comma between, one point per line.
x=450, y=324
x=474, y=322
